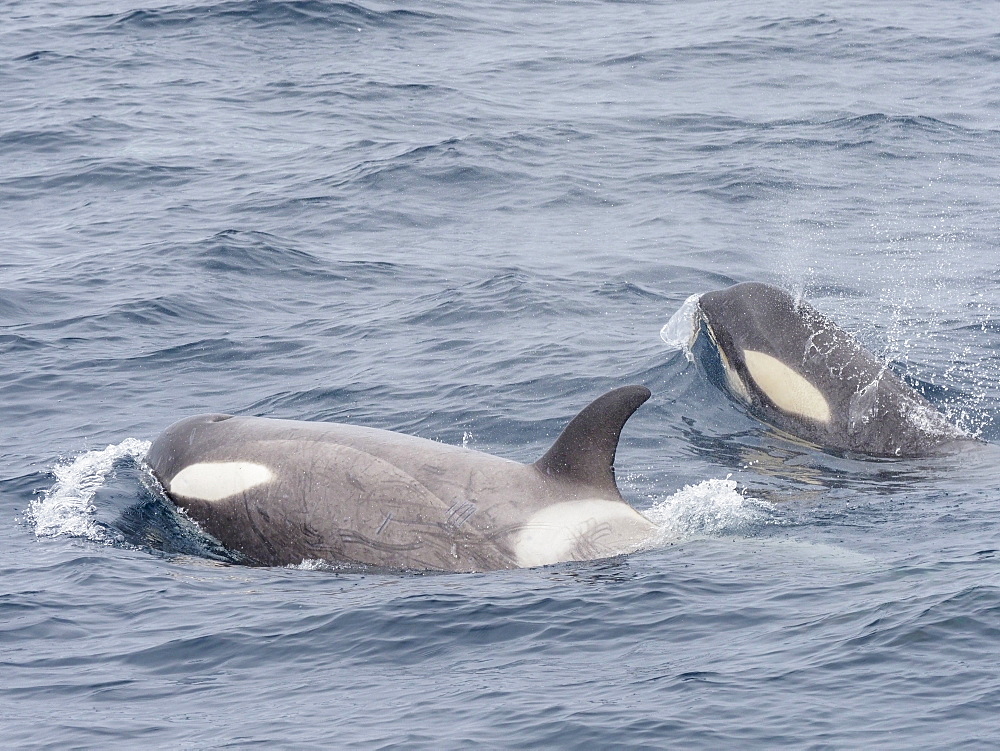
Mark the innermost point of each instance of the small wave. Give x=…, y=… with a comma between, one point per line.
x=39, y=55
x=87, y=174
x=234, y=251
x=791, y=23
x=269, y=13
x=67, y=507
x=510, y=292
x=880, y=122
x=709, y=508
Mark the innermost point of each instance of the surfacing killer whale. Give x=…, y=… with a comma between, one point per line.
x=278, y=492
x=795, y=369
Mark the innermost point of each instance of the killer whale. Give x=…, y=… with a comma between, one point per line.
x=795, y=369
x=278, y=492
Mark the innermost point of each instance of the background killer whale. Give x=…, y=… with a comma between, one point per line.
x=280, y=491
x=795, y=369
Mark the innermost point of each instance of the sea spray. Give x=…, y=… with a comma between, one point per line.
x=67, y=508
x=709, y=508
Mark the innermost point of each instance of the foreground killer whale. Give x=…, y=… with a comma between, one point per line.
x=795, y=369
x=278, y=492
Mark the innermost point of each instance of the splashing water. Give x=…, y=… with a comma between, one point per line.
x=310, y=564
x=712, y=507
x=679, y=331
x=67, y=507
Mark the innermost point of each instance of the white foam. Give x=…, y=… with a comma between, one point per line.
x=709, y=508
x=67, y=507
x=311, y=564
x=679, y=331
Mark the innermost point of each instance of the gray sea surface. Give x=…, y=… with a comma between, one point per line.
x=464, y=220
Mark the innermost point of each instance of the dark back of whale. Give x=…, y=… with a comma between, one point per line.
x=281, y=491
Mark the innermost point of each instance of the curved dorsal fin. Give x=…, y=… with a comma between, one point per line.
x=585, y=451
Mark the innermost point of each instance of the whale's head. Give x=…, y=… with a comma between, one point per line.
x=796, y=369
x=761, y=345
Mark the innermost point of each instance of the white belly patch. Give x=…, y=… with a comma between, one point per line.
x=580, y=531
x=788, y=390
x=215, y=481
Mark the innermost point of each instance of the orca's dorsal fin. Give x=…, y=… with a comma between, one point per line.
x=585, y=451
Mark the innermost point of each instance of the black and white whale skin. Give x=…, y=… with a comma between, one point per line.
x=795, y=369
x=278, y=492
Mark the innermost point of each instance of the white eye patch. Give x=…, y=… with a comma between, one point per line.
x=785, y=387
x=214, y=481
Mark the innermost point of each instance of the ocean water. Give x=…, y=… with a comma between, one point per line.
x=464, y=220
